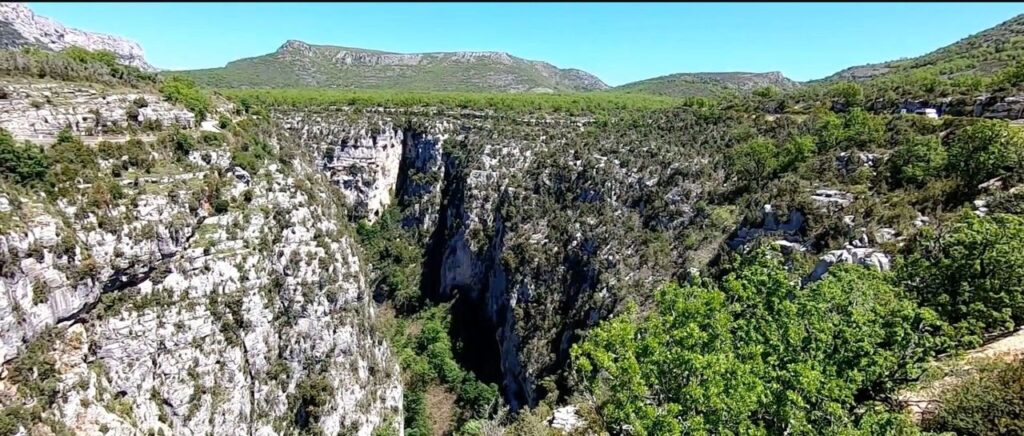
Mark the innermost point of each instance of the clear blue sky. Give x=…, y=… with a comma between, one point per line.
x=619, y=42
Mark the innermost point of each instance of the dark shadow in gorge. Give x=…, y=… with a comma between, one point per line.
x=477, y=348
x=478, y=313
x=471, y=330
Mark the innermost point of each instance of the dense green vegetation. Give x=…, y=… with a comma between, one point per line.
x=72, y=64
x=972, y=274
x=758, y=354
x=21, y=163
x=183, y=91
x=522, y=104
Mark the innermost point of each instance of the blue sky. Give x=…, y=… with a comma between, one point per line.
x=619, y=42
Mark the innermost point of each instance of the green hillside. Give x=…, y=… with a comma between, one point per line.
x=706, y=84
x=975, y=64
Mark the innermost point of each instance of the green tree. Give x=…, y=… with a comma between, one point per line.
x=855, y=129
x=796, y=151
x=759, y=355
x=755, y=160
x=971, y=274
x=861, y=130
x=767, y=92
x=25, y=163
x=848, y=94
x=183, y=91
x=918, y=161
x=70, y=159
x=984, y=150
x=86, y=56
x=1011, y=76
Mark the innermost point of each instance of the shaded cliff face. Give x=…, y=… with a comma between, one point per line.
x=536, y=228
x=192, y=298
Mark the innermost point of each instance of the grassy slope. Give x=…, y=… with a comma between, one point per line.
x=985, y=52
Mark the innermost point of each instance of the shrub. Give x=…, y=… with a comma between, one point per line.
x=220, y=205
x=140, y=102
x=81, y=55
x=183, y=91
x=989, y=402
x=25, y=164
x=131, y=114
x=72, y=64
x=855, y=129
x=179, y=141
x=917, y=162
x=71, y=159
x=984, y=150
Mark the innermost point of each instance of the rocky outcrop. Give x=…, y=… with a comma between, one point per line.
x=37, y=111
x=786, y=234
x=1007, y=107
x=566, y=419
x=20, y=27
x=866, y=256
x=362, y=159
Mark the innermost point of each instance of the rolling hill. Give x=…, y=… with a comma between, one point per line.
x=706, y=84
x=298, y=64
x=983, y=53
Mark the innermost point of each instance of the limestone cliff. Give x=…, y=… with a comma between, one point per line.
x=197, y=298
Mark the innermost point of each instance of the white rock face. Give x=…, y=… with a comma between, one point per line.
x=828, y=197
x=363, y=157
x=866, y=256
x=566, y=419
x=38, y=111
x=21, y=27
x=458, y=200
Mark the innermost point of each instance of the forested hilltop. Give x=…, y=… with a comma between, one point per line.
x=181, y=259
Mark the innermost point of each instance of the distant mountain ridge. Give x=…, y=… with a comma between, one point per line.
x=299, y=64
x=706, y=84
x=20, y=27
